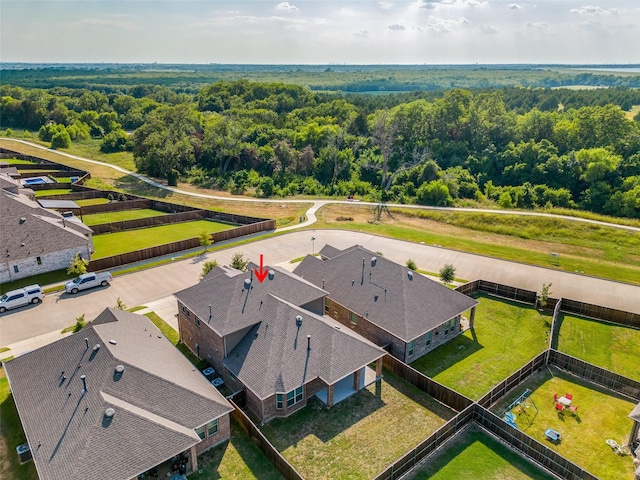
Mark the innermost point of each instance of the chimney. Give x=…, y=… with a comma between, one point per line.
x=308, y=342
x=84, y=383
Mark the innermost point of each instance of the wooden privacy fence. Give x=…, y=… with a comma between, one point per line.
x=449, y=397
x=618, y=383
x=115, y=206
x=250, y=229
x=427, y=446
x=530, y=447
x=140, y=255
x=147, y=222
x=513, y=380
x=601, y=313
x=505, y=291
x=264, y=445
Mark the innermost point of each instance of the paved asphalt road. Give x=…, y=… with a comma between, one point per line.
x=60, y=310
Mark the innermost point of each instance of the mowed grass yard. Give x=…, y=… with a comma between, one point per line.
x=57, y=191
x=606, y=345
x=121, y=242
x=506, y=335
x=360, y=436
x=109, y=217
x=478, y=456
x=92, y=201
x=601, y=415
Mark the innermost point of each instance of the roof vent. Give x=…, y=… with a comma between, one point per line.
x=375, y=298
x=271, y=274
x=96, y=347
x=247, y=283
x=22, y=244
x=373, y=261
x=298, y=321
x=109, y=412
x=120, y=369
x=113, y=342
x=410, y=275
x=22, y=220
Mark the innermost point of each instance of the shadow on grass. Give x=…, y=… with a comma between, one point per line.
x=136, y=186
x=320, y=421
x=447, y=355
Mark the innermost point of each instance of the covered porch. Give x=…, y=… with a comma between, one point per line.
x=349, y=385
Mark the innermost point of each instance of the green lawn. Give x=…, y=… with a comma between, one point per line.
x=115, y=243
x=478, y=456
x=109, y=217
x=57, y=191
x=92, y=201
x=601, y=416
x=17, y=161
x=506, y=335
x=606, y=345
x=237, y=459
x=11, y=435
x=360, y=436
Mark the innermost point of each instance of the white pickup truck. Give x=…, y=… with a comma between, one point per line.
x=88, y=280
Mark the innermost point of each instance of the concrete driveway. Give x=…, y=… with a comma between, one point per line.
x=152, y=287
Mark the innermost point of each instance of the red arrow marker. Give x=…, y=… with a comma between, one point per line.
x=262, y=274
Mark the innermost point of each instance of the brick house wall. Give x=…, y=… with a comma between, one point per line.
x=224, y=433
x=49, y=262
x=199, y=338
x=438, y=337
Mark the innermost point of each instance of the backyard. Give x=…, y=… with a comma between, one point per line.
x=606, y=345
x=477, y=455
x=601, y=415
x=109, y=217
x=506, y=335
x=360, y=436
x=121, y=242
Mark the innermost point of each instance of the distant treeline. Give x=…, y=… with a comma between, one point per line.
x=515, y=147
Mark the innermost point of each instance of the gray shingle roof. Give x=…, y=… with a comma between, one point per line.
x=159, y=400
x=41, y=232
x=384, y=293
x=273, y=357
x=231, y=308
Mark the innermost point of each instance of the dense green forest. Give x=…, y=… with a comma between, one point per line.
x=515, y=147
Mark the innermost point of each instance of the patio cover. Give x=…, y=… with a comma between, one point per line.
x=59, y=204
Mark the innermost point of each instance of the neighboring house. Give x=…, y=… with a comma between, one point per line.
x=270, y=338
x=113, y=401
x=400, y=310
x=35, y=240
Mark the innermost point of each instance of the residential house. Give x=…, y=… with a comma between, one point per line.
x=270, y=339
x=406, y=313
x=36, y=240
x=113, y=401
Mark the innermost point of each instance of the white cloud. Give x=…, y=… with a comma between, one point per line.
x=396, y=27
x=591, y=10
x=486, y=28
x=386, y=5
x=536, y=25
x=515, y=6
x=445, y=25
x=286, y=6
x=362, y=33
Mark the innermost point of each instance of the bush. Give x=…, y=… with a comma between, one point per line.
x=411, y=265
x=61, y=140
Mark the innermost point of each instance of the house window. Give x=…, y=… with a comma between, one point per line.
x=200, y=431
x=212, y=428
x=39, y=260
x=326, y=308
x=354, y=319
x=197, y=321
x=428, y=339
x=448, y=326
x=294, y=396
x=279, y=403
x=410, y=350
x=15, y=269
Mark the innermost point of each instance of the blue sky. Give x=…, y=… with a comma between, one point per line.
x=320, y=32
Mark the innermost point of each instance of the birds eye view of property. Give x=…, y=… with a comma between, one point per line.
x=319, y=240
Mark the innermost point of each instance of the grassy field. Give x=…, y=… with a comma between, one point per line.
x=601, y=416
x=57, y=191
x=115, y=243
x=17, y=161
x=604, y=252
x=360, y=436
x=92, y=201
x=506, y=335
x=108, y=217
x=606, y=345
x=237, y=459
x=11, y=435
x=476, y=455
